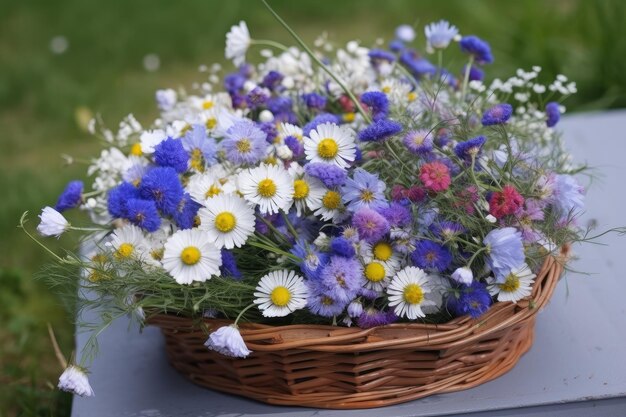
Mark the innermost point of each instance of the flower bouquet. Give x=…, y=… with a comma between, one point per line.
x=337, y=227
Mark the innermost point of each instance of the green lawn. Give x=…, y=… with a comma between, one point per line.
x=42, y=94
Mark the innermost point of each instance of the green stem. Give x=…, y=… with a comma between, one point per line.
x=292, y=229
x=242, y=312
x=92, y=193
x=439, y=63
x=466, y=77
x=34, y=239
x=274, y=250
x=266, y=42
x=304, y=46
x=89, y=229
x=478, y=252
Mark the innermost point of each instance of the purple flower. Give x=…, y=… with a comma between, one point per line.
x=198, y=144
x=473, y=299
x=118, y=197
x=377, y=55
x=279, y=105
x=371, y=226
x=70, y=197
x=143, y=213
x=162, y=186
x=270, y=130
x=244, y=143
x=398, y=215
x=477, y=47
x=372, y=318
x=341, y=246
x=431, y=256
x=363, y=190
x=322, y=304
x=445, y=229
x=314, y=101
x=229, y=265
x=532, y=211
x=295, y=145
x=377, y=102
x=379, y=130
x=568, y=196
x=185, y=216
x=257, y=97
x=553, y=113
x=475, y=74
x=318, y=120
x=417, y=66
x=342, y=278
x=331, y=175
x=505, y=251
x=419, y=142
x=313, y=261
x=234, y=82
x=470, y=148
x=171, y=153
x=272, y=80
x=497, y=115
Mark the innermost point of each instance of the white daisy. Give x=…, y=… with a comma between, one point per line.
x=307, y=191
x=52, y=223
x=330, y=206
x=203, y=186
x=407, y=292
x=287, y=129
x=237, y=43
x=128, y=242
x=331, y=144
x=518, y=284
x=280, y=293
x=74, y=379
x=382, y=252
x=149, y=139
x=439, y=35
x=269, y=186
x=228, y=341
x=227, y=219
x=377, y=274
x=190, y=256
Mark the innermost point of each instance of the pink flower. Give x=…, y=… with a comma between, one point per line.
x=435, y=176
x=505, y=202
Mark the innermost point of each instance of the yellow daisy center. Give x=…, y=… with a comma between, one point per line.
x=327, y=301
x=412, y=96
x=413, y=294
x=511, y=283
x=136, y=149
x=186, y=128
x=270, y=160
x=280, y=296
x=331, y=200
x=157, y=254
x=225, y=222
x=367, y=196
x=300, y=189
x=207, y=104
x=267, y=188
x=124, y=251
x=348, y=117
x=212, y=191
x=382, y=251
x=374, y=272
x=197, y=160
x=386, y=89
x=327, y=148
x=190, y=255
x=210, y=123
x=244, y=145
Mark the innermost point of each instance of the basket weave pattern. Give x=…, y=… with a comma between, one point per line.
x=346, y=368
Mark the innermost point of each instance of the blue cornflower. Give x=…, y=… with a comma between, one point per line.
x=244, y=143
x=321, y=303
x=446, y=229
x=371, y=226
x=553, y=113
x=472, y=299
x=381, y=55
x=257, y=97
x=185, y=216
x=497, y=115
x=397, y=214
x=295, y=145
x=70, y=197
x=505, y=251
x=431, y=256
x=377, y=102
x=234, y=82
x=568, y=196
x=470, y=148
x=118, y=197
x=331, y=175
x=162, y=185
x=270, y=130
x=364, y=190
x=143, y=213
x=477, y=47
x=379, y=130
x=171, y=153
x=314, y=101
x=201, y=148
x=313, y=261
x=272, y=80
x=279, y=105
x=342, y=278
x=318, y=120
x=341, y=246
x=417, y=66
x=229, y=265
x=475, y=74
x=419, y=142
x=373, y=318
x=396, y=45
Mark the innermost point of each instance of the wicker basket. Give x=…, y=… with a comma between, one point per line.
x=347, y=368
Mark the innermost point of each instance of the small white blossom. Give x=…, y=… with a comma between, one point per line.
x=405, y=33
x=228, y=341
x=463, y=275
x=490, y=218
x=266, y=116
x=52, y=223
x=74, y=380
x=166, y=99
x=237, y=43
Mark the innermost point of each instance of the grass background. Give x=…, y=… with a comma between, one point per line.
x=45, y=97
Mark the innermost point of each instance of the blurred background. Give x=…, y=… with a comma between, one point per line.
x=64, y=61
